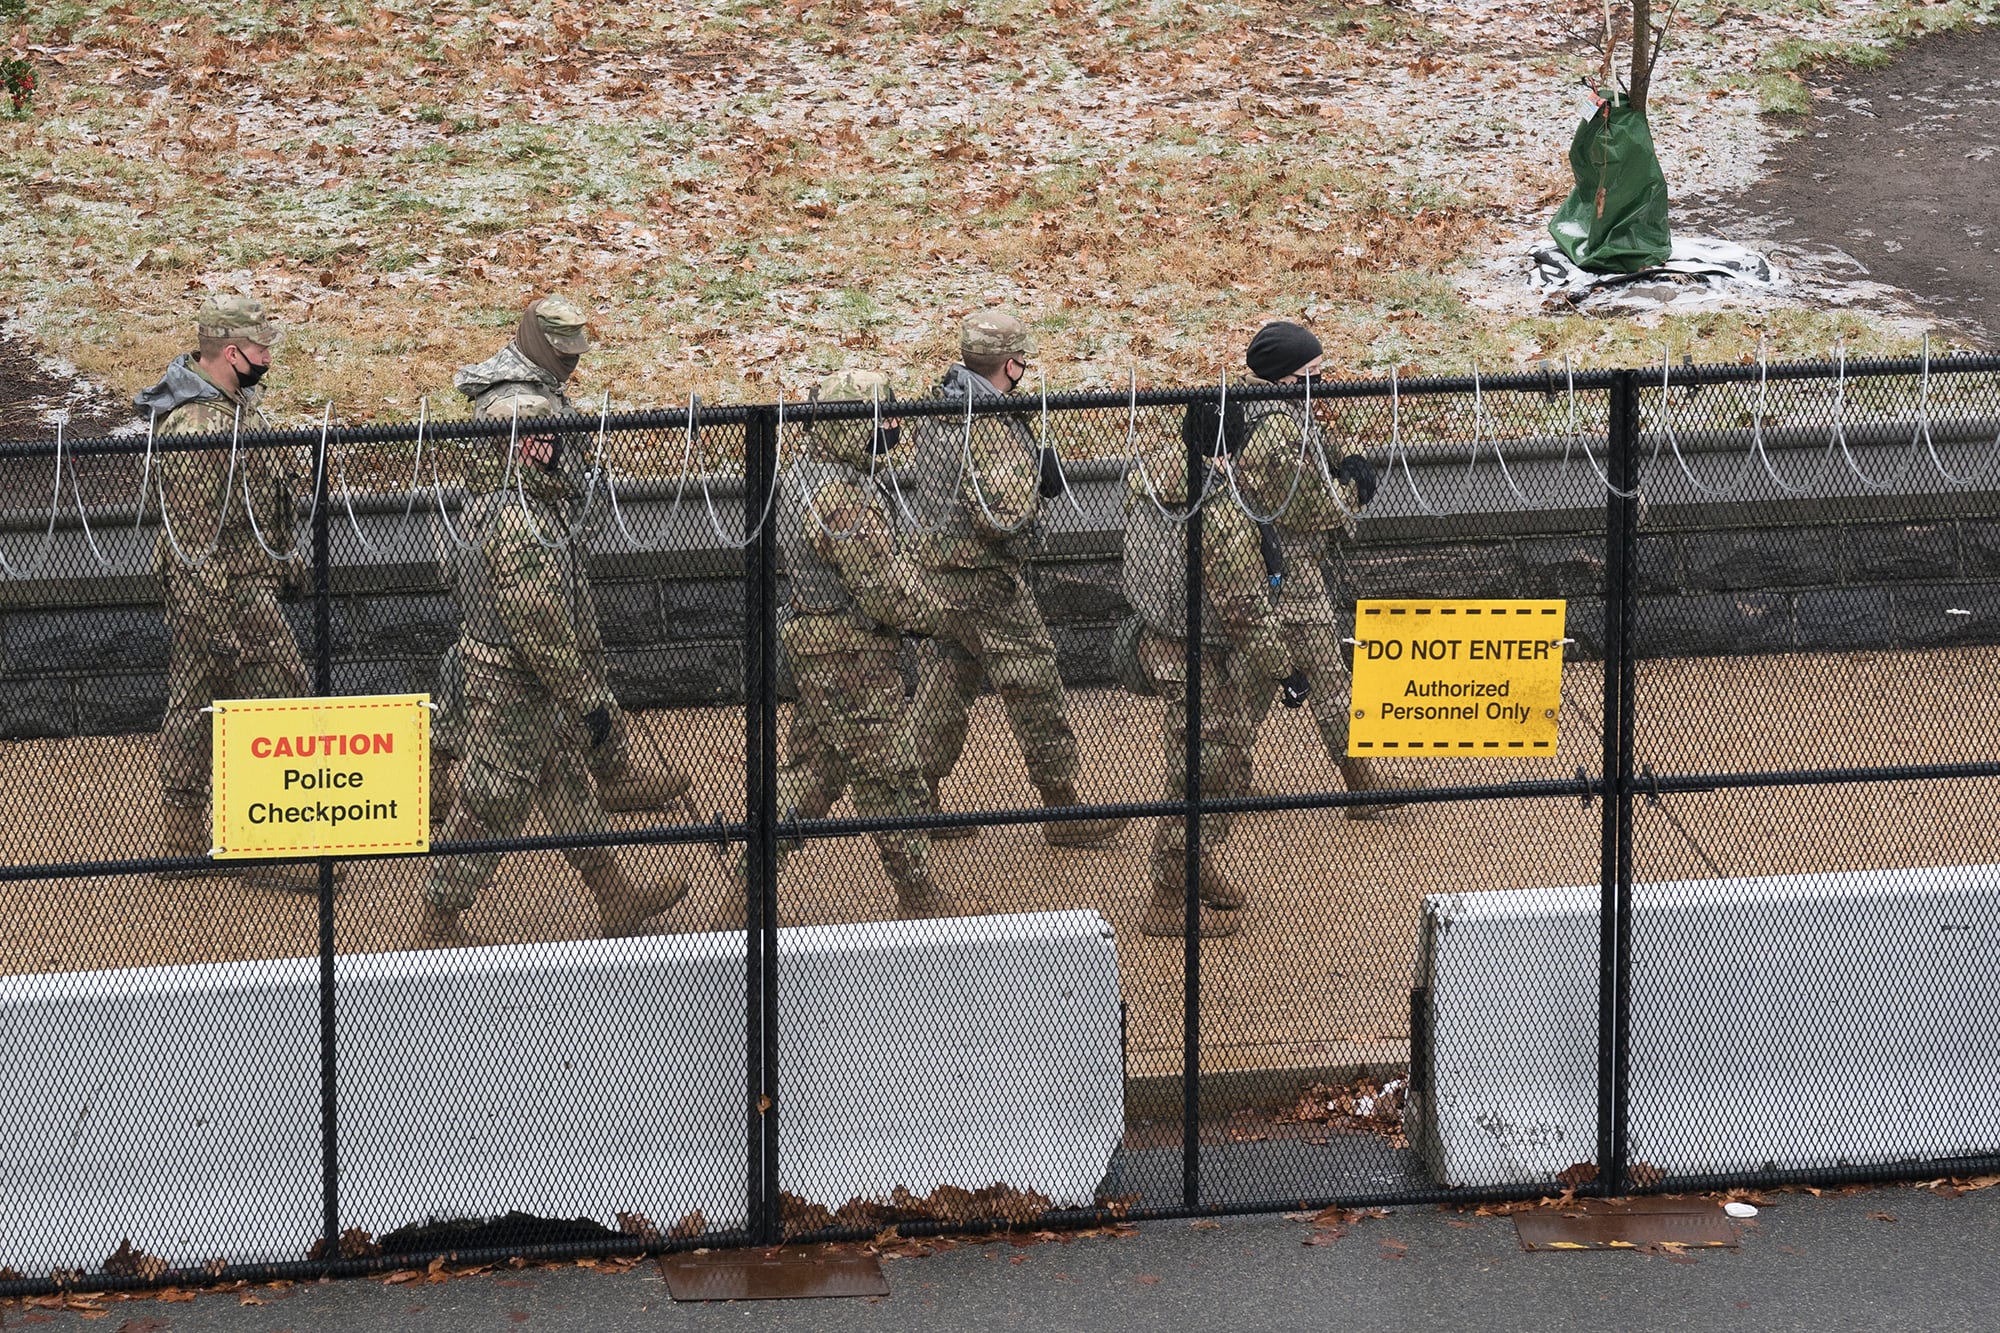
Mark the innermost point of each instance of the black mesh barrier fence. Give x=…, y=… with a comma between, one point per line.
x=864, y=813
x=1813, y=898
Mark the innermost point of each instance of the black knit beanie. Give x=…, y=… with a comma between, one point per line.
x=1279, y=349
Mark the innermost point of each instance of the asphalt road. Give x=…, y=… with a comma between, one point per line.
x=1899, y=1258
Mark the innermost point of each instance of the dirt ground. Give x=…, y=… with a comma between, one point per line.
x=1320, y=969
x=30, y=393
x=1896, y=173
x=32, y=398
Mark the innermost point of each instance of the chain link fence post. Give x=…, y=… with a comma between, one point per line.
x=1197, y=478
x=760, y=812
x=329, y=1085
x=1614, y=976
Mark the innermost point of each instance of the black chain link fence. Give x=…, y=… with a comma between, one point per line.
x=1736, y=926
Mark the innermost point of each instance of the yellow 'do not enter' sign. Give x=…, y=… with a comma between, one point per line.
x=1463, y=677
x=341, y=776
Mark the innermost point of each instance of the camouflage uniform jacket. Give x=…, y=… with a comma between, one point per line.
x=984, y=506
x=1282, y=443
x=504, y=374
x=523, y=586
x=507, y=374
x=850, y=585
x=1236, y=612
x=187, y=402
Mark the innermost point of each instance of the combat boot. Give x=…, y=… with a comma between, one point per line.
x=636, y=788
x=624, y=906
x=732, y=913
x=1361, y=775
x=954, y=833
x=1218, y=891
x=1167, y=908
x=184, y=832
x=918, y=899
x=1076, y=832
x=438, y=928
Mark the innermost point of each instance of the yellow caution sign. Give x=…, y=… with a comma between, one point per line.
x=342, y=776
x=1459, y=677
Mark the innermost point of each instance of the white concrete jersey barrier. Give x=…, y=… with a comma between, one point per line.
x=179, y=1107
x=1789, y=1022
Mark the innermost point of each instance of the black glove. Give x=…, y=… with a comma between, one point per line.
x=1355, y=469
x=598, y=723
x=1297, y=687
x=1052, y=478
x=1274, y=555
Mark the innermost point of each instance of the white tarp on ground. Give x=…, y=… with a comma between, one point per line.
x=179, y=1107
x=1700, y=268
x=1800, y=1021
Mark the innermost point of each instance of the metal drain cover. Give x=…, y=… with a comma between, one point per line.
x=772, y=1275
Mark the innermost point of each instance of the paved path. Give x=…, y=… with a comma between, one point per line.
x=1884, y=1259
x=1896, y=169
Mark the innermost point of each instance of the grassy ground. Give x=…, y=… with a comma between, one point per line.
x=747, y=194
x=1320, y=970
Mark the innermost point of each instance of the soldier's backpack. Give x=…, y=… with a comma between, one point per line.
x=1203, y=428
x=1155, y=563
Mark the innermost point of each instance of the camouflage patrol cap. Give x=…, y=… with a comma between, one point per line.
x=237, y=317
x=563, y=322
x=988, y=333
x=506, y=406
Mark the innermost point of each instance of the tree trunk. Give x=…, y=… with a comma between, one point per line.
x=1642, y=53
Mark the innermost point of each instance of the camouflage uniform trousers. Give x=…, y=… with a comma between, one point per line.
x=1316, y=650
x=450, y=724
x=1231, y=703
x=264, y=664
x=847, y=732
x=1312, y=637
x=991, y=626
x=521, y=753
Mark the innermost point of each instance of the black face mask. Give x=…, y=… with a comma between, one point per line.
x=1313, y=382
x=885, y=439
x=247, y=377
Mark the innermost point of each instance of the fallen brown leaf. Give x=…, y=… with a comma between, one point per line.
x=1580, y=1173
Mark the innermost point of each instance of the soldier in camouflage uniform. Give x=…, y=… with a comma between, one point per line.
x=551, y=339
x=984, y=497
x=1245, y=660
x=853, y=596
x=1284, y=455
x=537, y=709
x=227, y=636
x=537, y=365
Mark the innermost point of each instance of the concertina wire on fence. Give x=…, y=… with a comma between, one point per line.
x=1779, y=581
